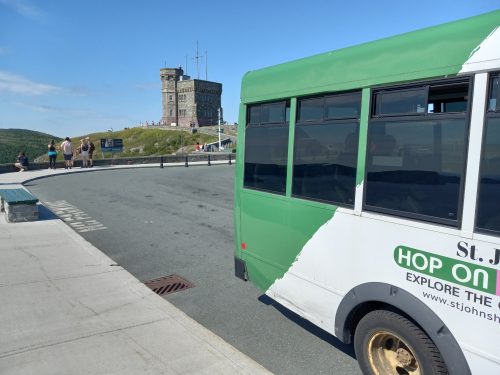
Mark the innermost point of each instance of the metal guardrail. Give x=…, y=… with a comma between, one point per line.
x=209, y=158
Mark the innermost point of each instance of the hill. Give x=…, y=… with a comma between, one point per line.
x=13, y=141
x=145, y=142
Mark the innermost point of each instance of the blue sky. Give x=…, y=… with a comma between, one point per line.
x=71, y=67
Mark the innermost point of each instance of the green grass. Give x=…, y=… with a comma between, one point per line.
x=136, y=142
x=146, y=142
x=14, y=141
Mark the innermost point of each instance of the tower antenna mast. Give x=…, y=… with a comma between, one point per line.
x=197, y=59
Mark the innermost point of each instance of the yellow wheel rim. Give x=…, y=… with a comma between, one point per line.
x=389, y=354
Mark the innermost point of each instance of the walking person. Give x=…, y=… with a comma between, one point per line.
x=22, y=162
x=67, y=149
x=91, y=151
x=84, y=152
x=52, y=155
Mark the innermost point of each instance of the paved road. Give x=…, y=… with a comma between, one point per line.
x=156, y=222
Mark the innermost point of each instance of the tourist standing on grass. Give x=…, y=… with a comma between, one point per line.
x=67, y=149
x=52, y=155
x=84, y=152
x=22, y=162
x=91, y=151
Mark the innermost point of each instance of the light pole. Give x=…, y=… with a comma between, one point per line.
x=218, y=115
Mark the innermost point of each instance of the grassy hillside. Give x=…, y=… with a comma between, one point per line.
x=13, y=141
x=146, y=142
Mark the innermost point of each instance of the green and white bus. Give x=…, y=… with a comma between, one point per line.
x=367, y=196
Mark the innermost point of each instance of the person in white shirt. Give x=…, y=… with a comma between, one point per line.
x=67, y=149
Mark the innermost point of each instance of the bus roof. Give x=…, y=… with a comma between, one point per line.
x=432, y=52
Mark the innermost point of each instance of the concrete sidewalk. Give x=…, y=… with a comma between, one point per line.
x=66, y=308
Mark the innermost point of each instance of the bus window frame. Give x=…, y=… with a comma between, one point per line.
x=324, y=97
x=285, y=102
x=376, y=110
x=324, y=121
x=488, y=114
x=339, y=118
x=274, y=124
x=306, y=98
x=491, y=77
x=416, y=117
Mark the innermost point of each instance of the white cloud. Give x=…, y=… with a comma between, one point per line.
x=24, y=8
x=41, y=107
x=19, y=85
x=71, y=111
x=78, y=90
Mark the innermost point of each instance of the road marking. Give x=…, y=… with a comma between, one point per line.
x=76, y=218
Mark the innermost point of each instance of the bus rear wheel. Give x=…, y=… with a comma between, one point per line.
x=387, y=343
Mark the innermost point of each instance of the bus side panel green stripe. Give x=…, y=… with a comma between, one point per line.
x=291, y=138
x=363, y=135
x=238, y=181
x=275, y=229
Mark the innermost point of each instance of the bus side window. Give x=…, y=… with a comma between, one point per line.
x=488, y=210
x=326, y=148
x=349, y=156
x=416, y=159
x=266, y=147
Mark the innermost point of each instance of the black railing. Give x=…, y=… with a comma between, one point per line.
x=185, y=160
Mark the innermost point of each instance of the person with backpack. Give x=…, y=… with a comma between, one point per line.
x=67, y=149
x=91, y=151
x=52, y=155
x=84, y=152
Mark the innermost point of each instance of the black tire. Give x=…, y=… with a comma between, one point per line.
x=387, y=343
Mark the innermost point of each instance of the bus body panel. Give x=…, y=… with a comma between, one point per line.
x=273, y=231
x=308, y=255
x=349, y=250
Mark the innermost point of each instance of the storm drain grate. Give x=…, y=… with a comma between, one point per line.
x=168, y=284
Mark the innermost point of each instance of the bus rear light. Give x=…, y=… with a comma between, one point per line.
x=243, y=246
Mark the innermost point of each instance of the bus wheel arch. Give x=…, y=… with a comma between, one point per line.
x=368, y=297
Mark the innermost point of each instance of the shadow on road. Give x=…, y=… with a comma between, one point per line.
x=308, y=326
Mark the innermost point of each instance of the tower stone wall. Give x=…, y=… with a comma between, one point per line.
x=188, y=102
x=169, y=78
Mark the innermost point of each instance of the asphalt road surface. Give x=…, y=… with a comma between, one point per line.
x=156, y=222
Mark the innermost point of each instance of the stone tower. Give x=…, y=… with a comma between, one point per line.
x=169, y=78
x=188, y=102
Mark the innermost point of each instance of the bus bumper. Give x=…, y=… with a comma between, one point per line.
x=240, y=269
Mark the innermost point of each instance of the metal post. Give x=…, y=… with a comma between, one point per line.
x=161, y=161
x=218, y=115
x=209, y=164
x=186, y=163
x=230, y=159
x=197, y=59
